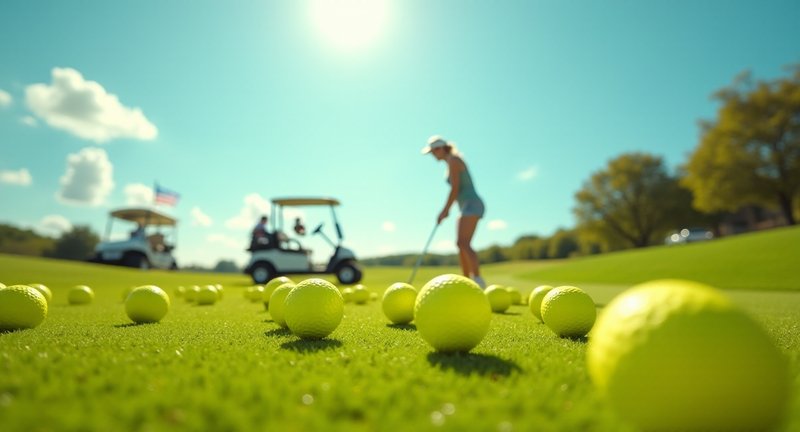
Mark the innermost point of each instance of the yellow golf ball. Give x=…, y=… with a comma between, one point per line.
x=313, y=309
x=147, y=304
x=48, y=295
x=535, y=300
x=452, y=313
x=270, y=287
x=21, y=307
x=277, y=301
x=360, y=294
x=207, y=295
x=568, y=311
x=499, y=298
x=398, y=303
x=679, y=355
x=80, y=294
x=516, y=296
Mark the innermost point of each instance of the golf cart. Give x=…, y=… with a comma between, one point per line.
x=283, y=255
x=146, y=247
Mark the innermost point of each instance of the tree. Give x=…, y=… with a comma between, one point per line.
x=492, y=254
x=751, y=153
x=633, y=200
x=76, y=244
x=523, y=248
x=562, y=244
x=226, y=266
x=20, y=241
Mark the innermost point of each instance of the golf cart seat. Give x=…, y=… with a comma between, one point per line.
x=293, y=246
x=263, y=243
x=156, y=242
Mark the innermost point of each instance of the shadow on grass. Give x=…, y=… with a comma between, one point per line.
x=131, y=324
x=280, y=331
x=269, y=320
x=470, y=363
x=7, y=331
x=404, y=327
x=507, y=313
x=581, y=339
x=311, y=345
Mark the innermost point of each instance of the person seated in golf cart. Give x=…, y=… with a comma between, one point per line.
x=138, y=233
x=299, y=228
x=261, y=238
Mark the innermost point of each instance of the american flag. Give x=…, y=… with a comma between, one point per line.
x=166, y=196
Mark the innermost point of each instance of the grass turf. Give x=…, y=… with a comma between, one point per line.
x=764, y=260
x=228, y=367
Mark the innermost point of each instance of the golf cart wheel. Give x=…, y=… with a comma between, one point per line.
x=348, y=273
x=262, y=273
x=136, y=260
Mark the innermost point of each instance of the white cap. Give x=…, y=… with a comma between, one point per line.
x=435, y=141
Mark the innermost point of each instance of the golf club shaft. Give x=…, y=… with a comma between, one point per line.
x=422, y=255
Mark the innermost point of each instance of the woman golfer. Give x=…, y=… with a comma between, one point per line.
x=462, y=190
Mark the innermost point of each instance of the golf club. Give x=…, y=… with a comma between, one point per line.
x=422, y=255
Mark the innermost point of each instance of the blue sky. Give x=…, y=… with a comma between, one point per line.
x=233, y=103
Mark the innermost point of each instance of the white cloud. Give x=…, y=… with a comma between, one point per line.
x=389, y=226
x=528, y=174
x=29, y=121
x=226, y=241
x=86, y=109
x=21, y=177
x=199, y=218
x=5, y=99
x=254, y=207
x=497, y=224
x=138, y=194
x=88, y=179
x=54, y=225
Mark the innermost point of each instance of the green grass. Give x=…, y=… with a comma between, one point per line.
x=766, y=260
x=228, y=367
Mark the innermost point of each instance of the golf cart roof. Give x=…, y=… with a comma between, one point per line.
x=144, y=216
x=305, y=201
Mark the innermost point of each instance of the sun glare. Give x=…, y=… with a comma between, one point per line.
x=350, y=25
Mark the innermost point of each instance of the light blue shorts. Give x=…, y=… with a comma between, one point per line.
x=472, y=207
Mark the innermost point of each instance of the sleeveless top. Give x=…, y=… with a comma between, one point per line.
x=466, y=188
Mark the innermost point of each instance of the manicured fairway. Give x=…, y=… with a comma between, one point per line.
x=228, y=367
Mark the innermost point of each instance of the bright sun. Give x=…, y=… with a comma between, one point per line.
x=349, y=25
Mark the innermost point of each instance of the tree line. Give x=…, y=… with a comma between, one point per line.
x=76, y=244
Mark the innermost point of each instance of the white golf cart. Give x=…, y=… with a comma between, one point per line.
x=146, y=247
x=281, y=255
